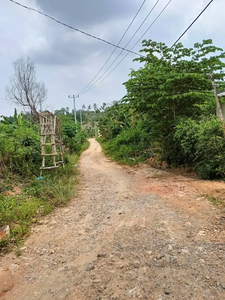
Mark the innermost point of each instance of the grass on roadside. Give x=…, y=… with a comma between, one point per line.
x=121, y=155
x=39, y=197
x=215, y=201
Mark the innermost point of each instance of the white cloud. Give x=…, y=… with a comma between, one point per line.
x=66, y=60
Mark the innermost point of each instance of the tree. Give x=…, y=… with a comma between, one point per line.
x=169, y=111
x=114, y=119
x=95, y=106
x=83, y=107
x=89, y=107
x=102, y=108
x=174, y=84
x=24, y=90
x=61, y=111
x=213, y=67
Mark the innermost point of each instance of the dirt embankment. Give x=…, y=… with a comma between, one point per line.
x=132, y=233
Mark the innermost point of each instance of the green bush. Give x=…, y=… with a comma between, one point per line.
x=73, y=136
x=20, y=150
x=131, y=145
x=20, y=161
x=39, y=197
x=203, y=146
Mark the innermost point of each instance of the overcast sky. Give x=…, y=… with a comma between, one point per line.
x=67, y=61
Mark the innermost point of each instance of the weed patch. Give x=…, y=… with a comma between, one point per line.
x=215, y=201
x=39, y=198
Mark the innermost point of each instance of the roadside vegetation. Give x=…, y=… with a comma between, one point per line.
x=169, y=112
x=170, y=116
x=25, y=196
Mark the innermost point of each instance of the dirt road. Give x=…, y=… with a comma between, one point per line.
x=132, y=233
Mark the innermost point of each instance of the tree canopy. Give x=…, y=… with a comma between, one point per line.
x=174, y=90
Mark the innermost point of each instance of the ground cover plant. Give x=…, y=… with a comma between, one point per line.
x=20, y=161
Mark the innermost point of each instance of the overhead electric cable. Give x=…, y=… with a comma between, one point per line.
x=192, y=23
x=125, y=45
x=91, y=88
x=114, y=48
x=187, y=27
x=73, y=28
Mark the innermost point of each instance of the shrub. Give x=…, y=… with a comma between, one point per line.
x=73, y=136
x=20, y=150
x=131, y=145
x=203, y=146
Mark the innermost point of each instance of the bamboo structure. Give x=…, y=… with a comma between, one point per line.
x=50, y=136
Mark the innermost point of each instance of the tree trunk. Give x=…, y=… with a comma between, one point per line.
x=219, y=112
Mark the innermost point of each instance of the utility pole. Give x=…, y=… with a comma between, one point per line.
x=74, y=97
x=81, y=118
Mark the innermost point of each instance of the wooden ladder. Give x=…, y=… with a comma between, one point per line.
x=50, y=136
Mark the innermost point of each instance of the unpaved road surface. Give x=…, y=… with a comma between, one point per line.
x=132, y=233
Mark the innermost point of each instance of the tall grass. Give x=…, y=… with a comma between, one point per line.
x=39, y=197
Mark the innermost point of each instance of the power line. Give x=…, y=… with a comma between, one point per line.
x=164, y=8
x=91, y=88
x=192, y=23
x=125, y=45
x=115, y=47
x=180, y=35
x=73, y=28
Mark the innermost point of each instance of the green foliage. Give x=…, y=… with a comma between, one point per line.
x=39, y=197
x=20, y=151
x=20, y=161
x=124, y=138
x=16, y=119
x=171, y=87
x=19, y=212
x=114, y=119
x=73, y=136
x=170, y=108
x=88, y=119
x=202, y=146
